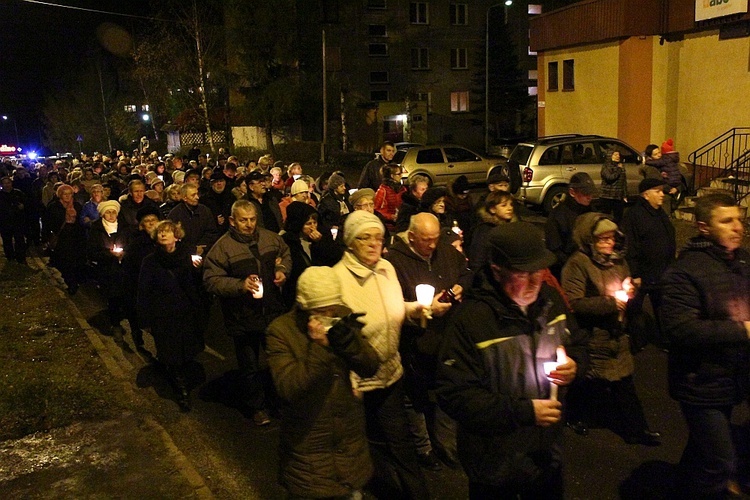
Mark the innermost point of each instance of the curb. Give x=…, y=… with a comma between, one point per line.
x=119, y=366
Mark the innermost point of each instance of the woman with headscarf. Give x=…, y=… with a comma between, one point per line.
x=104, y=249
x=65, y=237
x=369, y=285
x=597, y=282
x=170, y=272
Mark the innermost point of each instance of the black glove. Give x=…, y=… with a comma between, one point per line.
x=343, y=334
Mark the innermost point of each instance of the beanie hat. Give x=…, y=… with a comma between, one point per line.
x=155, y=181
x=667, y=146
x=431, y=196
x=320, y=286
x=334, y=181
x=297, y=215
x=218, y=175
x=650, y=183
x=604, y=226
x=520, y=246
x=358, y=222
x=359, y=194
x=108, y=205
x=299, y=186
x=178, y=177
x=147, y=210
x=461, y=185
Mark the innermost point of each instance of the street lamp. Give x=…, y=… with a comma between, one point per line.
x=15, y=127
x=505, y=4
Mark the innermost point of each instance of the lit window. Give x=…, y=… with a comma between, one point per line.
x=459, y=14
x=145, y=107
x=568, y=74
x=552, y=76
x=130, y=108
x=419, y=13
x=378, y=95
x=378, y=49
x=535, y=9
x=378, y=77
x=459, y=59
x=460, y=101
x=533, y=90
x=420, y=58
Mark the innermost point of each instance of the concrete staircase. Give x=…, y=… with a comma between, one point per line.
x=726, y=185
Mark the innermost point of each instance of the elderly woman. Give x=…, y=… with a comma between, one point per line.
x=369, y=285
x=104, y=250
x=65, y=237
x=173, y=197
x=596, y=280
x=334, y=204
x=363, y=199
x=90, y=213
x=170, y=272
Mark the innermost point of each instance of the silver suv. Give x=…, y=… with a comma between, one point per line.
x=442, y=163
x=546, y=165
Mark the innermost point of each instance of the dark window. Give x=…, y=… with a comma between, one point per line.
x=459, y=14
x=378, y=49
x=330, y=12
x=459, y=154
x=376, y=4
x=419, y=13
x=459, y=59
x=551, y=156
x=569, y=75
x=420, y=59
x=377, y=30
x=378, y=95
x=432, y=155
x=626, y=154
x=378, y=77
x=552, y=76
x=585, y=153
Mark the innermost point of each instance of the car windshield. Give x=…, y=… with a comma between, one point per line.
x=521, y=154
x=399, y=156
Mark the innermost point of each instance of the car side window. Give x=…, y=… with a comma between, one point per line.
x=626, y=154
x=583, y=154
x=551, y=156
x=459, y=154
x=432, y=155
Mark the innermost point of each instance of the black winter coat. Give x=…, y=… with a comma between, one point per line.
x=324, y=252
x=651, y=241
x=706, y=296
x=558, y=231
x=108, y=270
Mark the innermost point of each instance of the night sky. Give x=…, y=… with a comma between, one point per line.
x=38, y=44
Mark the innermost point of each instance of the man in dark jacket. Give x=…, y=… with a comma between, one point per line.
x=558, y=231
x=371, y=176
x=246, y=269
x=197, y=220
x=421, y=257
x=269, y=213
x=491, y=377
x=219, y=200
x=14, y=206
x=650, y=237
x=135, y=200
x=705, y=313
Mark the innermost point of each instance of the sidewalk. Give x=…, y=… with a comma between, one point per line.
x=130, y=456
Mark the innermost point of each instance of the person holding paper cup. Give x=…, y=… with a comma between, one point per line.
x=596, y=280
x=490, y=375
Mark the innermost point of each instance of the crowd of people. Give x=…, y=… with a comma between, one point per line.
x=373, y=378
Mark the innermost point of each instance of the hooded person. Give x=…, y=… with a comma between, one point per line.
x=597, y=282
x=311, y=352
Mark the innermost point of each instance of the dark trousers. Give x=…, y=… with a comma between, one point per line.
x=642, y=319
x=386, y=419
x=548, y=486
x=14, y=244
x=247, y=348
x=709, y=460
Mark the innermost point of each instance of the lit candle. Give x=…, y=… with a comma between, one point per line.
x=334, y=232
x=425, y=294
x=117, y=250
x=258, y=294
x=549, y=367
x=197, y=259
x=621, y=295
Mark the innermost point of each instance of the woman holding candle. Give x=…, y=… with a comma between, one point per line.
x=65, y=236
x=175, y=323
x=596, y=281
x=104, y=250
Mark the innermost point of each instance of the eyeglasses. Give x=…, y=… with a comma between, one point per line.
x=605, y=238
x=365, y=205
x=369, y=238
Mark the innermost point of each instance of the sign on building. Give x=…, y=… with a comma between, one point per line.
x=710, y=9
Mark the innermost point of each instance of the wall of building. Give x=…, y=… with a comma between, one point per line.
x=592, y=108
x=635, y=91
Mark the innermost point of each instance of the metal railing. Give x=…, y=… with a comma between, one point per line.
x=725, y=156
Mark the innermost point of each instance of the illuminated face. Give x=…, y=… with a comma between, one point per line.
x=166, y=239
x=175, y=195
x=656, y=154
x=520, y=286
x=425, y=239
x=419, y=190
x=66, y=195
x=310, y=226
x=581, y=198
x=138, y=192
x=503, y=210
x=365, y=203
x=654, y=196
x=191, y=196
x=193, y=179
x=725, y=228
x=368, y=246
x=500, y=186
x=439, y=206
x=258, y=188
x=110, y=215
x=616, y=156
x=149, y=222
x=244, y=221
x=605, y=243
x=387, y=152
x=303, y=196
x=218, y=186
x=340, y=190
x=96, y=195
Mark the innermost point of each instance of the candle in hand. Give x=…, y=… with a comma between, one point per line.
x=425, y=294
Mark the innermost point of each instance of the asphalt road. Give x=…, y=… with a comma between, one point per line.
x=239, y=460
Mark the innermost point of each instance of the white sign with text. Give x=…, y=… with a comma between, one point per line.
x=710, y=9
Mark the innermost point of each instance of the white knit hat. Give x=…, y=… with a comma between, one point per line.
x=108, y=205
x=299, y=186
x=319, y=286
x=358, y=222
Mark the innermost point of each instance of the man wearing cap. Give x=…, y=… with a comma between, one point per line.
x=558, y=231
x=371, y=173
x=219, y=200
x=246, y=258
x=311, y=350
x=650, y=237
x=268, y=208
x=491, y=378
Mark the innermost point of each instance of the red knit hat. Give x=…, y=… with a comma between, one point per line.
x=667, y=146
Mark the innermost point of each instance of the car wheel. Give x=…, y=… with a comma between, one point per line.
x=554, y=197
